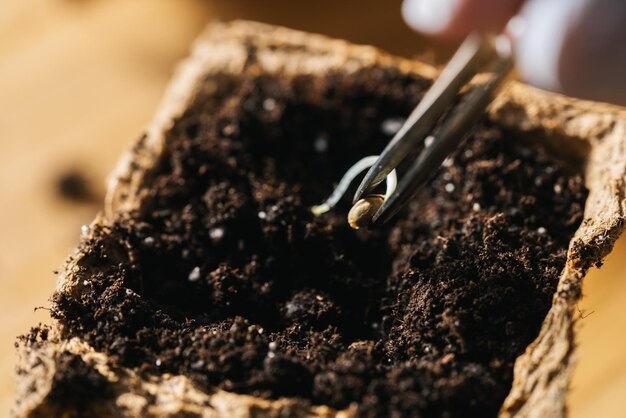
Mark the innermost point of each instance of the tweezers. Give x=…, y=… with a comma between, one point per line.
x=476, y=53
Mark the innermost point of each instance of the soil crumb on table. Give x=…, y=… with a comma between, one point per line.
x=226, y=277
x=72, y=185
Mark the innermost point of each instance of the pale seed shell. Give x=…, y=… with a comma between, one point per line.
x=360, y=216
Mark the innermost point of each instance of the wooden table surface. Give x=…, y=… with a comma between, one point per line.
x=78, y=81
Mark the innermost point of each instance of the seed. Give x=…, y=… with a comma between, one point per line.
x=360, y=216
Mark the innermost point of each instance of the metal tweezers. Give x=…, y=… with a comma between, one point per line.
x=477, y=53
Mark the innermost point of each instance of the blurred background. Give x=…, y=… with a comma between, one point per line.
x=79, y=79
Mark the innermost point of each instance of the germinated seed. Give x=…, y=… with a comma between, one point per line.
x=360, y=166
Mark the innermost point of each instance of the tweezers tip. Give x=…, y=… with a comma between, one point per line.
x=362, y=189
x=370, y=181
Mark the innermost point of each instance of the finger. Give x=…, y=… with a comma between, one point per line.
x=454, y=19
x=574, y=47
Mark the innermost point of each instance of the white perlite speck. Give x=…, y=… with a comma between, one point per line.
x=216, y=233
x=262, y=215
x=449, y=187
x=84, y=230
x=194, y=275
x=476, y=207
x=541, y=230
x=391, y=126
x=321, y=144
x=269, y=104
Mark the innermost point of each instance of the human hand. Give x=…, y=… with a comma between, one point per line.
x=575, y=47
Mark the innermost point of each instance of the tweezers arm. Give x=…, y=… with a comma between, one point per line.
x=451, y=132
x=471, y=55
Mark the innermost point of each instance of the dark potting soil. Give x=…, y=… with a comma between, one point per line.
x=227, y=278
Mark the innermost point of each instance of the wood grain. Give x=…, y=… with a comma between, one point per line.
x=79, y=79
